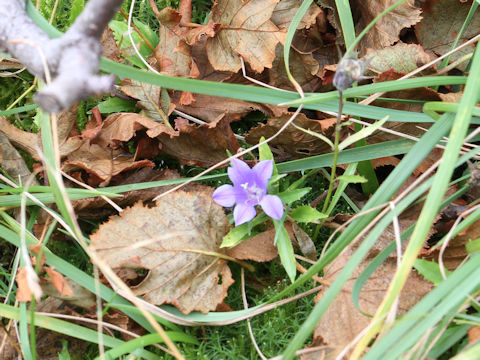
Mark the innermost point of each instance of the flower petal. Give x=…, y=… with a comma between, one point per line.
x=263, y=172
x=272, y=205
x=225, y=196
x=240, y=173
x=243, y=213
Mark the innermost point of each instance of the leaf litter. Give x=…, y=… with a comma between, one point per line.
x=171, y=249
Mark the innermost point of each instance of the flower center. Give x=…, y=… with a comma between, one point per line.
x=254, y=193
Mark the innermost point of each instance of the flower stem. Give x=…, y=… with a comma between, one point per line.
x=335, y=153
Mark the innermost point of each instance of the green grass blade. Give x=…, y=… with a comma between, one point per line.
x=67, y=328
x=139, y=343
x=434, y=198
x=302, y=10
x=346, y=21
x=389, y=148
x=418, y=152
x=447, y=296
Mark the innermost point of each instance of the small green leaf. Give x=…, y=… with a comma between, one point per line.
x=306, y=213
x=149, y=34
x=64, y=354
x=352, y=178
x=473, y=246
x=290, y=196
x=239, y=233
x=430, y=270
x=76, y=8
x=266, y=154
x=114, y=105
x=285, y=249
x=367, y=131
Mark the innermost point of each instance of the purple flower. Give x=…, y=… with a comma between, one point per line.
x=249, y=189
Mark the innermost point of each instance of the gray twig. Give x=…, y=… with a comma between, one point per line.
x=72, y=60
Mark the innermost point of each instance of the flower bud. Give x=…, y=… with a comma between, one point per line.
x=348, y=71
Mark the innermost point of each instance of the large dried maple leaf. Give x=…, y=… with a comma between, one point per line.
x=387, y=30
x=246, y=31
x=171, y=240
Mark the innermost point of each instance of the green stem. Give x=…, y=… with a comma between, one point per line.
x=33, y=340
x=335, y=153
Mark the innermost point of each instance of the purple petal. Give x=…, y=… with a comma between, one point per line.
x=263, y=172
x=240, y=173
x=272, y=205
x=243, y=213
x=225, y=196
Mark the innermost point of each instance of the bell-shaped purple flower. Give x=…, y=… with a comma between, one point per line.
x=249, y=189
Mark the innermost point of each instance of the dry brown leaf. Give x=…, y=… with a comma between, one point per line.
x=441, y=23
x=333, y=18
x=258, y=248
x=153, y=99
x=207, y=72
x=109, y=46
x=79, y=296
x=292, y=140
x=202, y=145
x=9, y=348
x=387, y=30
x=473, y=334
x=59, y=282
x=172, y=53
x=208, y=108
x=121, y=127
x=24, y=140
x=303, y=67
x=342, y=322
x=13, y=163
x=161, y=239
x=24, y=293
x=409, y=128
x=100, y=163
x=246, y=31
x=402, y=58
x=456, y=252
x=196, y=34
x=98, y=208
x=49, y=342
x=286, y=9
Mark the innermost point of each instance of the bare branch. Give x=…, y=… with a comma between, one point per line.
x=72, y=59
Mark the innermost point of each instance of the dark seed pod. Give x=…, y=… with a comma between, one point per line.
x=348, y=71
